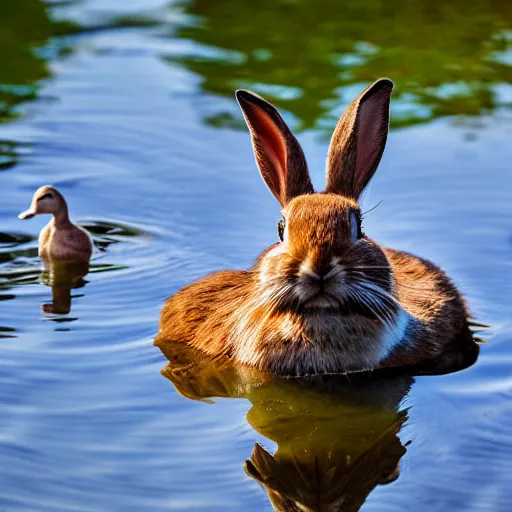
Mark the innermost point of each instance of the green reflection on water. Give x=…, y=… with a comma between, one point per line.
x=445, y=57
x=25, y=32
x=27, y=44
x=306, y=56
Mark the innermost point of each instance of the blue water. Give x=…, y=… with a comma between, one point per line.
x=119, y=118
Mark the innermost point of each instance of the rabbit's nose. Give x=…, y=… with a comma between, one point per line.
x=328, y=273
x=324, y=270
x=318, y=270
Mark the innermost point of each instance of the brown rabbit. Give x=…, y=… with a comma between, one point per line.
x=326, y=298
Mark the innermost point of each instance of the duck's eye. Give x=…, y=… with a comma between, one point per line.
x=48, y=195
x=280, y=229
x=355, y=226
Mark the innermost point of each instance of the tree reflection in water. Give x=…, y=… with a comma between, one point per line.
x=308, y=56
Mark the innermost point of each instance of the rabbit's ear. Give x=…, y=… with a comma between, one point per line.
x=358, y=140
x=278, y=154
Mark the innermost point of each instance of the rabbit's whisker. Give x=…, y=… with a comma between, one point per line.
x=379, y=291
x=384, y=281
x=364, y=300
x=372, y=267
x=382, y=304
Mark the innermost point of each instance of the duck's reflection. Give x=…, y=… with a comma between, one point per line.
x=63, y=276
x=337, y=436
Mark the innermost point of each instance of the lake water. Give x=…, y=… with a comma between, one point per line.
x=128, y=108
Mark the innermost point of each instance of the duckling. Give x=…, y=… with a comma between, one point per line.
x=60, y=239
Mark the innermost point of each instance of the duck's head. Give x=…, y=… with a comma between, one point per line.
x=47, y=199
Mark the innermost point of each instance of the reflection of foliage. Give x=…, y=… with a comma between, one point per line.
x=10, y=152
x=25, y=28
x=29, y=40
x=445, y=57
x=25, y=34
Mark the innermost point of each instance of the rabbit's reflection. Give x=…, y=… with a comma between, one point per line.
x=63, y=276
x=337, y=436
x=336, y=442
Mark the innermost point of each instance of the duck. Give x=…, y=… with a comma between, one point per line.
x=60, y=239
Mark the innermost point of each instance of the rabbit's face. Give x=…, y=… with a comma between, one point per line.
x=324, y=261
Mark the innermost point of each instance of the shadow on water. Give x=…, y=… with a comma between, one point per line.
x=337, y=437
x=446, y=58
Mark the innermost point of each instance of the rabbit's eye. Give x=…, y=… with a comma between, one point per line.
x=355, y=226
x=280, y=229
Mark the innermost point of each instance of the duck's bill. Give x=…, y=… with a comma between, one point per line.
x=27, y=214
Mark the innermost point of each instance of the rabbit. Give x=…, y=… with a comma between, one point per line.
x=325, y=298
x=60, y=239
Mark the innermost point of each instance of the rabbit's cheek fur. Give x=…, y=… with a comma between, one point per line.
x=270, y=263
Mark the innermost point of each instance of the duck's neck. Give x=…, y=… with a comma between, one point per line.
x=61, y=218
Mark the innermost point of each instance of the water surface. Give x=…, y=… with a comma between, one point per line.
x=129, y=110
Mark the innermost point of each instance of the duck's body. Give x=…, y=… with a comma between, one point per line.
x=68, y=242
x=60, y=239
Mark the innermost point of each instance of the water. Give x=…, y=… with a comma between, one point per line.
x=128, y=110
